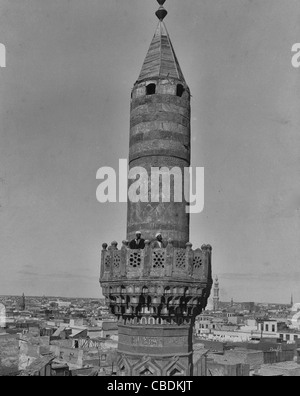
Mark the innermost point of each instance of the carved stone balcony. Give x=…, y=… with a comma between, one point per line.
x=157, y=283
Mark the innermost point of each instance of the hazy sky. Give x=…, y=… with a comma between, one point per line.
x=65, y=97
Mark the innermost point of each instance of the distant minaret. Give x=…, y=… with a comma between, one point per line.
x=216, y=294
x=232, y=303
x=292, y=301
x=23, y=303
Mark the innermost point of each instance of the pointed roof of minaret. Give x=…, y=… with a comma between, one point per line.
x=161, y=60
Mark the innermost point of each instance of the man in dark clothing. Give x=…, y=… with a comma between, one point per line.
x=138, y=242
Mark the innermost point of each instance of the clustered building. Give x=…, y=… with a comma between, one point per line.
x=57, y=337
x=79, y=337
x=256, y=339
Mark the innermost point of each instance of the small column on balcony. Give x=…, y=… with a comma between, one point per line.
x=123, y=264
x=189, y=258
x=169, y=258
x=147, y=259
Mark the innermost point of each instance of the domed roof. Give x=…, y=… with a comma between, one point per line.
x=296, y=320
x=296, y=307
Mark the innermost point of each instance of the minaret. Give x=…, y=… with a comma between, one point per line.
x=156, y=294
x=292, y=301
x=216, y=294
x=160, y=136
x=23, y=303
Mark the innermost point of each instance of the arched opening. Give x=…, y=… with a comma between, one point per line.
x=147, y=372
x=123, y=371
x=180, y=90
x=167, y=290
x=175, y=372
x=151, y=89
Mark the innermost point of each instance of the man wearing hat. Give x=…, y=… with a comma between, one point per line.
x=159, y=243
x=138, y=242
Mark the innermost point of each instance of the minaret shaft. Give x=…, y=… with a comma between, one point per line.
x=160, y=133
x=160, y=137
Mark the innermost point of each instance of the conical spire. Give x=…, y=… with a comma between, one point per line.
x=161, y=60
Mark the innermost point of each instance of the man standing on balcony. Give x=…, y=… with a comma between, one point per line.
x=138, y=242
x=159, y=243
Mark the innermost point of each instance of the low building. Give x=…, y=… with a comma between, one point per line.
x=226, y=366
x=285, y=369
x=9, y=354
x=109, y=329
x=41, y=367
x=253, y=358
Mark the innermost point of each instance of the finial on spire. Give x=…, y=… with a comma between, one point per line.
x=161, y=13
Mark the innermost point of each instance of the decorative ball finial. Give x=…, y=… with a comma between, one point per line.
x=161, y=13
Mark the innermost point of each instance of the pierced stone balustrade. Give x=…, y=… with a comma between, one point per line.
x=169, y=262
x=158, y=283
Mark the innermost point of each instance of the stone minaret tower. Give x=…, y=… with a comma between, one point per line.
x=156, y=294
x=216, y=294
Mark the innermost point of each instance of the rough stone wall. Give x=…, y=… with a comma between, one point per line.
x=216, y=369
x=73, y=357
x=30, y=346
x=156, y=350
x=254, y=358
x=9, y=354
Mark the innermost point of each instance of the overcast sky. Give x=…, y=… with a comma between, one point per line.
x=65, y=97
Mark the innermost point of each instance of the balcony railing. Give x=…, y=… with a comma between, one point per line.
x=169, y=262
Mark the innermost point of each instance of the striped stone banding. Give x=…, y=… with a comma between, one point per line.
x=137, y=152
x=154, y=160
x=160, y=98
x=160, y=125
x=160, y=116
x=146, y=227
x=161, y=135
x=162, y=153
x=159, y=107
